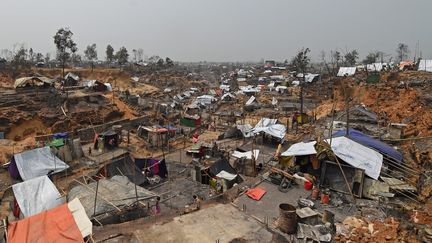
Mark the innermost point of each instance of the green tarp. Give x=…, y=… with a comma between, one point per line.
x=58, y=142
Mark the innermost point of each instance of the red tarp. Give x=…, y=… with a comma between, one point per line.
x=54, y=225
x=256, y=193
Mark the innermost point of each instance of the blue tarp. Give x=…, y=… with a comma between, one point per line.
x=60, y=135
x=371, y=143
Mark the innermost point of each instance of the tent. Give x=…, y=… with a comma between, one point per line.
x=300, y=149
x=35, y=163
x=36, y=195
x=371, y=143
x=65, y=223
x=425, y=65
x=346, y=71
x=357, y=155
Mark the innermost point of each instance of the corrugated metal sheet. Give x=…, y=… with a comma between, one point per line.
x=346, y=71
x=425, y=65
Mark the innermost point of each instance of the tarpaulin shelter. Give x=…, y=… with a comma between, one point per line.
x=247, y=154
x=190, y=121
x=371, y=143
x=357, y=155
x=425, y=65
x=301, y=149
x=270, y=127
x=35, y=163
x=36, y=195
x=33, y=81
x=346, y=71
x=65, y=223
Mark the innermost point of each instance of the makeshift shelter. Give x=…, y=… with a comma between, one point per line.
x=407, y=65
x=114, y=193
x=375, y=67
x=71, y=79
x=36, y=195
x=191, y=121
x=33, y=81
x=300, y=149
x=111, y=139
x=346, y=71
x=205, y=99
x=357, y=155
x=425, y=65
x=65, y=223
x=157, y=136
x=34, y=163
x=270, y=127
x=246, y=162
x=97, y=85
x=371, y=143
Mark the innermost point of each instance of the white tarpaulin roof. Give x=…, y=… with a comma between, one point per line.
x=38, y=162
x=374, y=67
x=205, y=99
x=36, y=195
x=246, y=130
x=357, y=155
x=299, y=149
x=225, y=175
x=270, y=127
x=247, y=155
x=425, y=65
x=346, y=71
x=310, y=77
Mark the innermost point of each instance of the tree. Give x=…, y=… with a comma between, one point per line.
x=169, y=62
x=135, y=55
x=160, y=62
x=299, y=63
x=39, y=57
x=91, y=54
x=19, y=61
x=402, y=51
x=122, y=55
x=31, y=55
x=371, y=57
x=76, y=58
x=140, y=54
x=109, y=53
x=65, y=46
x=351, y=57
x=47, y=58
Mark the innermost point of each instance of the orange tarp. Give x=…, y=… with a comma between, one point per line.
x=256, y=193
x=54, y=225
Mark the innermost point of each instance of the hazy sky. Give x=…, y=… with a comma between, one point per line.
x=221, y=30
